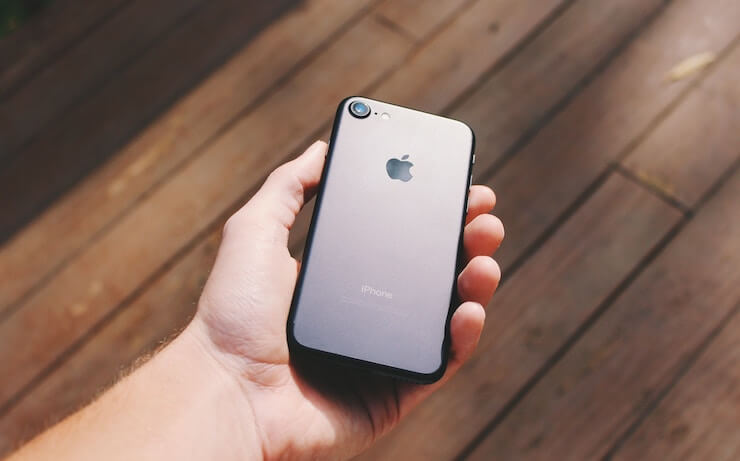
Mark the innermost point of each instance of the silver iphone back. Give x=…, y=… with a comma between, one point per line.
x=378, y=278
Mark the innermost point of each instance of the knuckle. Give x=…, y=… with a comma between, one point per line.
x=228, y=226
x=233, y=223
x=280, y=172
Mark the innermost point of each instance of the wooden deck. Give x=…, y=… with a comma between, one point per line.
x=129, y=131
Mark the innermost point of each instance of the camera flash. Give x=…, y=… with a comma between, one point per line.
x=385, y=116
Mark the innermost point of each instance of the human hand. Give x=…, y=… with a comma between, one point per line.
x=242, y=315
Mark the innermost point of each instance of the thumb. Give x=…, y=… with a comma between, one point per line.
x=272, y=211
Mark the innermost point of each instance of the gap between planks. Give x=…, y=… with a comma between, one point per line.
x=703, y=345
x=695, y=87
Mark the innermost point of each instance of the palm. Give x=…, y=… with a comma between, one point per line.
x=314, y=405
x=315, y=409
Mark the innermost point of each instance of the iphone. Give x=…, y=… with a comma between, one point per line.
x=377, y=285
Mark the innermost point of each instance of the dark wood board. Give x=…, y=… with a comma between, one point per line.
x=85, y=135
x=78, y=73
x=54, y=29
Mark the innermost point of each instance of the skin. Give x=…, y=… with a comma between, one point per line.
x=225, y=387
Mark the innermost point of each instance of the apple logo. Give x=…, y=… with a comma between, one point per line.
x=399, y=169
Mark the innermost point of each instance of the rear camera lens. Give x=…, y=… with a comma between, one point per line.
x=359, y=109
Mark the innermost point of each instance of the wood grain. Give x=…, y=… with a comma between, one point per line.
x=90, y=132
x=143, y=242
x=80, y=71
x=684, y=155
x=599, y=124
x=58, y=26
x=612, y=373
x=532, y=315
x=698, y=418
x=50, y=241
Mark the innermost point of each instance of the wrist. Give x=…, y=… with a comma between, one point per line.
x=218, y=384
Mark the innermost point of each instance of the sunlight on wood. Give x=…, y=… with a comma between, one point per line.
x=690, y=66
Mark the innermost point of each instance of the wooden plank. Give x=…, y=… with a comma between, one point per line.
x=533, y=314
x=49, y=242
x=515, y=101
x=88, y=289
x=699, y=417
x=59, y=25
x=35, y=408
x=91, y=132
x=418, y=20
x=566, y=156
x=81, y=70
x=611, y=375
x=686, y=153
x=440, y=76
